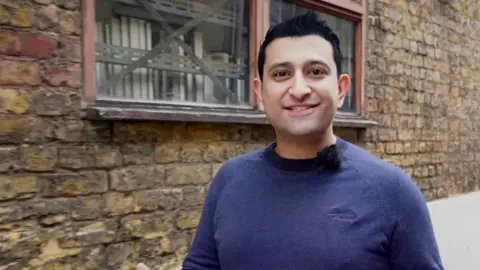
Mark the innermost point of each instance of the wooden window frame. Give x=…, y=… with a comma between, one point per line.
x=98, y=109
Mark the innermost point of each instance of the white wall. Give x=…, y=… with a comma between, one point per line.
x=456, y=221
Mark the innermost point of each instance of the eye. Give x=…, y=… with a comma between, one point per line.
x=280, y=73
x=317, y=72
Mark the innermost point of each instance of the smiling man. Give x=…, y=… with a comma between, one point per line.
x=310, y=200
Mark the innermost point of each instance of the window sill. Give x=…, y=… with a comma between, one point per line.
x=114, y=111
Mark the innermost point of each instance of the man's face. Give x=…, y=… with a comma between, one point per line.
x=301, y=89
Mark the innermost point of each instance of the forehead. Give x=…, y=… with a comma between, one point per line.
x=297, y=50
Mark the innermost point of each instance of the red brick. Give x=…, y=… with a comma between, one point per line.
x=28, y=45
x=62, y=75
x=37, y=47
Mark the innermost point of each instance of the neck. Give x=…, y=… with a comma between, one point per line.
x=304, y=148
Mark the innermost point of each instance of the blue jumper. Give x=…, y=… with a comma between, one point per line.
x=265, y=212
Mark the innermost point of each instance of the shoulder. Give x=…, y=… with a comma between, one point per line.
x=370, y=165
x=378, y=171
x=395, y=190
x=237, y=165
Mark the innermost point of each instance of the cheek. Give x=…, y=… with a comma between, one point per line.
x=269, y=103
x=274, y=92
x=326, y=91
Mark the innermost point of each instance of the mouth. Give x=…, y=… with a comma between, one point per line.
x=301, y=110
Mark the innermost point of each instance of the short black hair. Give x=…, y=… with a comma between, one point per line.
x=299, y=26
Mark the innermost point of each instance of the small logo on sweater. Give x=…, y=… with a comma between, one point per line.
x=342, y=214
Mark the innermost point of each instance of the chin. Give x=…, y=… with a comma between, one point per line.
x=300, y=128
x=305, y=131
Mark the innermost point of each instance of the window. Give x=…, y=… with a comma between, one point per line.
x=206, y=63
x=195, y=59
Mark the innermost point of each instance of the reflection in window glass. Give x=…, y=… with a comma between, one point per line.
x=125, y=31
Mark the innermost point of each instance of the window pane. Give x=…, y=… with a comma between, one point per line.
x=207, y=63
x=282, y=10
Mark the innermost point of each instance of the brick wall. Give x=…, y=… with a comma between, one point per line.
x=422, y=88
x=77, y=194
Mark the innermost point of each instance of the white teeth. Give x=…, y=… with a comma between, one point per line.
x=299, y=108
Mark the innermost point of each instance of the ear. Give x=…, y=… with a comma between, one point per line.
x=344, y=83
x=257, y=86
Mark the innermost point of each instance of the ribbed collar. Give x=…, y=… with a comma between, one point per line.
x=299, y=164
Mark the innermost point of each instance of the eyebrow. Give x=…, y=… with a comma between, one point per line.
x=311, y=62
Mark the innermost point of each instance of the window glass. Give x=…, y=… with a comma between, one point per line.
x=207, y=63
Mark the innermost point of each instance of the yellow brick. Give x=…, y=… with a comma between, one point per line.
x=39, y=158
x=13, y=101
x=22, y=17
x=17, y=186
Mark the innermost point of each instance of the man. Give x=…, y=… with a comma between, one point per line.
x=310, y=200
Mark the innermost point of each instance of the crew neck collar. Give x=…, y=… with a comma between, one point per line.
x=298, y=164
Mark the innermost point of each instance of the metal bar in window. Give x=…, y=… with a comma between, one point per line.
x=125, y=36
x=239, y=84
x=199, y=79
x=181, y=8
x=162, y=45
x=187, y=49
x=117, y=41
x=119, y=55
x=150, y=75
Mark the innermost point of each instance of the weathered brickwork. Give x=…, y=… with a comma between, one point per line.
x=77, y=194
x=422, y=89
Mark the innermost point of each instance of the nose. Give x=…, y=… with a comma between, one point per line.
x=300, y=89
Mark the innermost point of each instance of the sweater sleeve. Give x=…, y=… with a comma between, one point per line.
x=413, y=244
x=203, y=252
